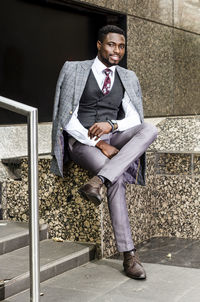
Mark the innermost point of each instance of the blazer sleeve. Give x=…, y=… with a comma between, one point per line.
x=137, y=95
x=138, y=90
x=58, y=89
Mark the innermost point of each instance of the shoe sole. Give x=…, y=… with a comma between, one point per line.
x=143, y=277
x=90, y=197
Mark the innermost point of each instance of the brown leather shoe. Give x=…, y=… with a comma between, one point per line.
x=92, y=190
x=132, y=266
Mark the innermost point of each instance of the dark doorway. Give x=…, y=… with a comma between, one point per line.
x=37, y=37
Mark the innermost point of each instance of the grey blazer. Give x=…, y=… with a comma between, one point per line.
x=70, y=85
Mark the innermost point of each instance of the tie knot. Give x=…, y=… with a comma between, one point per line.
x=107, y=71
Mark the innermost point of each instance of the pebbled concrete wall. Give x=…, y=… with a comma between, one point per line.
x=169, y=205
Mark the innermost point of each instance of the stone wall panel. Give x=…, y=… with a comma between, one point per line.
x=186, y=73
x=150, y=55
x=187, y=15
x=156, y=10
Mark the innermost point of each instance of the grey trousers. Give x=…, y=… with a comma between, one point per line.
x=132, y=143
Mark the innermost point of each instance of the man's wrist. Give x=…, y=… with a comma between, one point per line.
x=98, y=144
x=113, y=124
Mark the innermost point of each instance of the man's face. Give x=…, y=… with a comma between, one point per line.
x=112, y=49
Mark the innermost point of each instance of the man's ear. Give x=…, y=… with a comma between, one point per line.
x=98, y=45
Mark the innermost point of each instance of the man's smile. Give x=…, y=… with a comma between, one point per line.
x=115, y=57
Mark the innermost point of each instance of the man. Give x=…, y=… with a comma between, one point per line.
x=98, y=115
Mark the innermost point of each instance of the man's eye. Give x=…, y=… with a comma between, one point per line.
x=111, y=44
x=122, y=46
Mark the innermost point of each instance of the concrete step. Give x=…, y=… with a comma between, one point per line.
x=55, y=258
x=15, y=235
x=105, y=281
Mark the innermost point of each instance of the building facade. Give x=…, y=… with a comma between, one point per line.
x=163, y=48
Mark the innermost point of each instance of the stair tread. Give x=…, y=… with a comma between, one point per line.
x=10, y=228
x=16, y=262
x=15, y=235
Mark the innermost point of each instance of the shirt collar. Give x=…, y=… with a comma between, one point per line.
x=99, y=66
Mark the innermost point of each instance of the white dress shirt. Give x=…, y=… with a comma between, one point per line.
x=131, y=119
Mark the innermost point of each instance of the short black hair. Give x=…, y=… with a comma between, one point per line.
x=109, y=29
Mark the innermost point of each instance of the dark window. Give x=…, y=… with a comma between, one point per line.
x=37, y=37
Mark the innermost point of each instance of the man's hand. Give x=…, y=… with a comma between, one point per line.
x=98, y=129
x=107, y=149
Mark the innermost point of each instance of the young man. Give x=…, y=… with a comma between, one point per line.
x=99, y=105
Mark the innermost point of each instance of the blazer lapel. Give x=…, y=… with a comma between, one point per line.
x=82, y=73
x=126, y=83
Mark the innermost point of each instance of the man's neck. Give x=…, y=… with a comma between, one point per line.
x=99, y=65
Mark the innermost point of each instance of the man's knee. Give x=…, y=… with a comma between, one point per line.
x=99, y=164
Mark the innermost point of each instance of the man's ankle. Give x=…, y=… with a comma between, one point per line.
x=133, y=250
x=102, y=178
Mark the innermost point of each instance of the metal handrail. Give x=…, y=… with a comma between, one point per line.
x=34, y=258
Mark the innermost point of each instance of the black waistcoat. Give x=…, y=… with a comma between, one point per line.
x=94, y=106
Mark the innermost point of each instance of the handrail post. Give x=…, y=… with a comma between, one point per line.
x=34, y=255
x=33, y=206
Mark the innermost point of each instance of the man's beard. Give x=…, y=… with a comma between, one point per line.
x=107, y=62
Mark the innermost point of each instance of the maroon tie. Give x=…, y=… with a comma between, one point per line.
x=107, y=81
